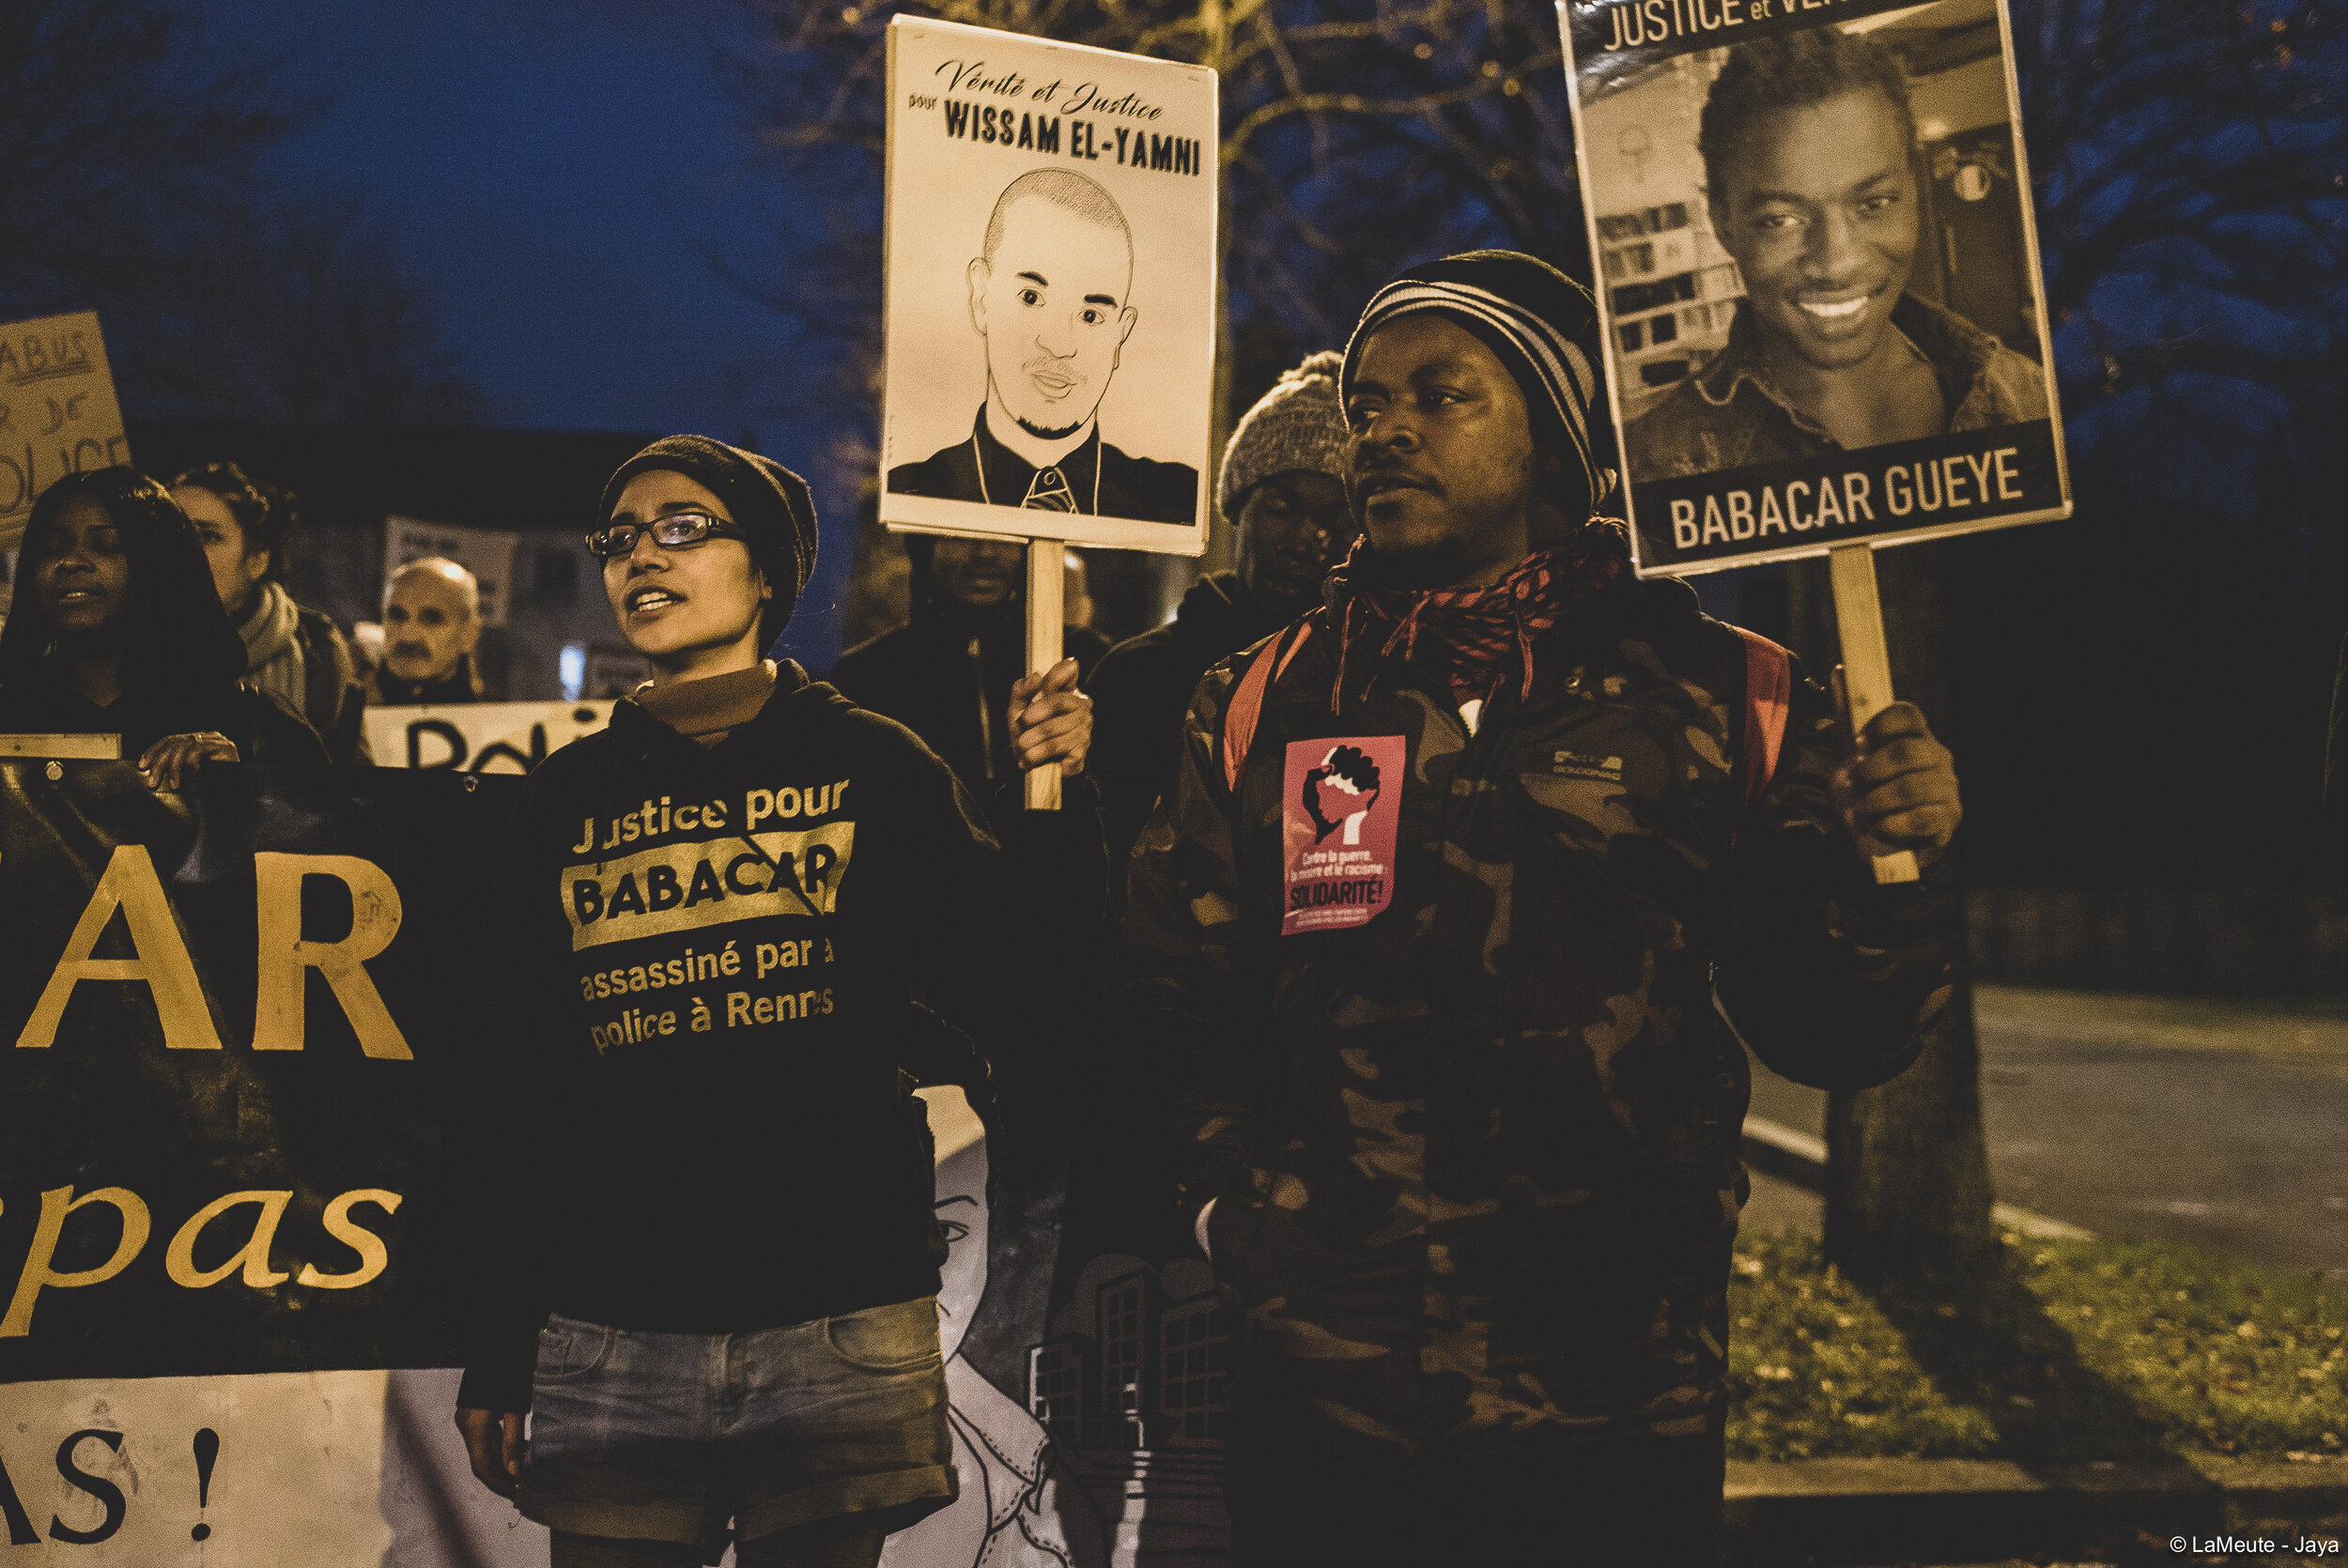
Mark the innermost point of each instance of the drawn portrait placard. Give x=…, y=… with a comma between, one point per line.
x=1050, y=290
x=1817, y=272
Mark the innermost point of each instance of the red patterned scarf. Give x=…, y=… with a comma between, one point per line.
x=1477, y=638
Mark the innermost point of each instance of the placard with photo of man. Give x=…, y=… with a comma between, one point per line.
x=1050, y=290
x=1818, y=273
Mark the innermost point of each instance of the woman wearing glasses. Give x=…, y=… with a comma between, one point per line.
x=710, y=1193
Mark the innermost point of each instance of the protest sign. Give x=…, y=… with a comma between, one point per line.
x=228, y=1194
x=1817, y=273
x=487, y=553
x=231, y=1279
x=1050, y=290
x=612, y=671
x=57, y=411
x=479, y=737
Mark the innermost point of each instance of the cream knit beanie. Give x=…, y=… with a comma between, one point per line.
x=1298, y=424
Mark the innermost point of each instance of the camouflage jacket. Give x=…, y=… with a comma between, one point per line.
x=1478, y=1155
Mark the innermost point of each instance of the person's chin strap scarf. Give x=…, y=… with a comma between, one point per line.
x=1479, y=639
x=272, y=659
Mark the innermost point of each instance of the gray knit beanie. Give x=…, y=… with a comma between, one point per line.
x=1298, y=424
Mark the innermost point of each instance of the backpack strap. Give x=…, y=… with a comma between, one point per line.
x=1239, y=719
x=1769, y=701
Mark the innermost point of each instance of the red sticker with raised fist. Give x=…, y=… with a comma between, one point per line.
x=1342, y=799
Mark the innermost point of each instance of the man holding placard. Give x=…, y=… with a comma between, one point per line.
x=1427, y=947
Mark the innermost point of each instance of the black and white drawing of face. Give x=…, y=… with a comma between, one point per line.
x=1049, y=296
x=961, y=1207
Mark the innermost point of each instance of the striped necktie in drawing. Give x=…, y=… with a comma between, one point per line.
x=1049, y=492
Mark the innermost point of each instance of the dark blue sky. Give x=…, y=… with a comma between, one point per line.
x=546, y=168
x=553, y=172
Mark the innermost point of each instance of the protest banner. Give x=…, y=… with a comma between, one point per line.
x=231, y=1274
x=479, y=737
x=57, y=411
x=487, y=553
x=1818, y=287
x=227, y=1193
x=1049, y=300
x=1817, y=273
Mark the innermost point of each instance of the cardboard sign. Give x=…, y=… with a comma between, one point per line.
x=1050, y=290
x=487, y=553
x=57, y=411
x=1823, y=317
x=1341, y=800
x=479, y=737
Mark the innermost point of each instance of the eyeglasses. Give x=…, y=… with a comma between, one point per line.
x=678, y=531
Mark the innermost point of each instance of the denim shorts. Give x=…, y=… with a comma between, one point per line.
x=660, y=1436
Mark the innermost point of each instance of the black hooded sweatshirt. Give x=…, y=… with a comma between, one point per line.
x=1142, y=692
x=699, y=1100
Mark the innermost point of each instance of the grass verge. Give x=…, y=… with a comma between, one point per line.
x=2057, y=1351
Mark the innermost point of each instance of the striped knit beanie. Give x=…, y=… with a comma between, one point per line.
x=1543, y=326
x=1298, y=426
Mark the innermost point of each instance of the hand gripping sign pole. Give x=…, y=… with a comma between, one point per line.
x=1866, y=665
x=1049, y=269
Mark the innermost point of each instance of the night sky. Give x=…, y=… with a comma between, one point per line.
x=554, y=173
x=549, y=171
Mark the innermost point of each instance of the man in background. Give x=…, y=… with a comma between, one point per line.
x=1809, y=148
x=947, y=673
x=1282, y=487
x=431, y=625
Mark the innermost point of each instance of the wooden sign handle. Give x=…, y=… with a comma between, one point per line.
x=1866, y=665
x=1047, y=560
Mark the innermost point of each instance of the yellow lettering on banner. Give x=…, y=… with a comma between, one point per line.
x=162, y=961
x=375, y=917
x=253, y=1257
x=685, y=887
x=373, y=1254
x=55, y=1205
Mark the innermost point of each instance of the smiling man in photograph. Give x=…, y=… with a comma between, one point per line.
x=1050, y=295
x=1809, y=162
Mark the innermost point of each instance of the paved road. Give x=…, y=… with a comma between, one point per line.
x=2220, y=1123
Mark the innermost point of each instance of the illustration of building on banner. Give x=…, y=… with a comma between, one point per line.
x=1134, y=1386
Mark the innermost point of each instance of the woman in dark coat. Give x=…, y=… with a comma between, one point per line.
x=116, y=628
